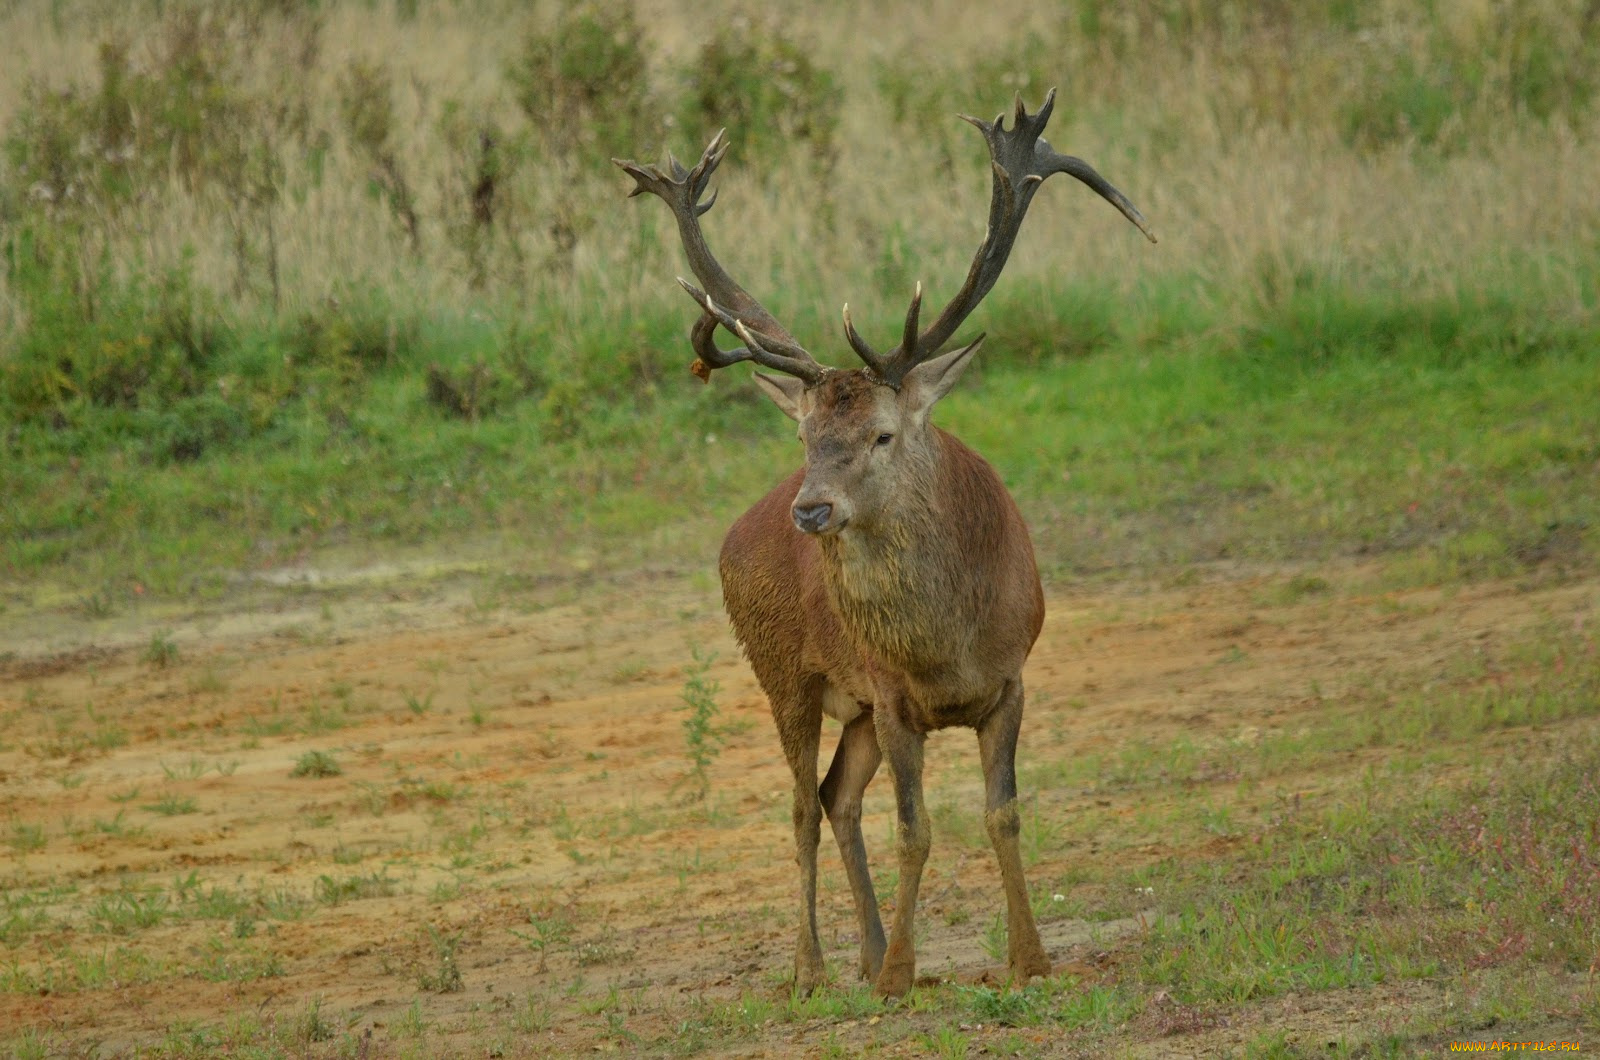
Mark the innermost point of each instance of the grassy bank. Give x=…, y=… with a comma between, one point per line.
x=1423, y=435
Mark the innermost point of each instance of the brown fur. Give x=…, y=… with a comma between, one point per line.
x=921, y=611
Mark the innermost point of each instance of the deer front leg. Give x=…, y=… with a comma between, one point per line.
x=997, y=745
x=801, y=733
x=902, y=747
x=854, y=763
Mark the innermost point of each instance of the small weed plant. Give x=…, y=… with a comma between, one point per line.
x=702, y=736
x=444, y=977
x=549, y=928
x=161, y=652
x=316, y=764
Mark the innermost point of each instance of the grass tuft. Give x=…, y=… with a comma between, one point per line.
x=316, y=764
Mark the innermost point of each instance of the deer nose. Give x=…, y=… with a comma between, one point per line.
x=812, y=518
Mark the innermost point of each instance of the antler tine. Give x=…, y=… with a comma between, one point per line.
x=1021, y=160
x=876, y=361
x=1077, y=167
x=724, y=301
x=873, y=359
x=909, y=336
x=763, y=350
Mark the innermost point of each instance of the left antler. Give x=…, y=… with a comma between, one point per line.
x=723, y=301
x=1021, y=162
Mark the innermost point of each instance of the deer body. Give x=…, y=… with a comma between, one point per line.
x=894, y=602
x=916, y=613
x=871, y=628
x=891, y=583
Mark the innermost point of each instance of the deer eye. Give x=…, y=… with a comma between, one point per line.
x=885, y=439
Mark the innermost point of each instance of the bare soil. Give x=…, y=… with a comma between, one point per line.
x=516, y=763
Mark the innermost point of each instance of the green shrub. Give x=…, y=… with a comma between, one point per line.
x=703, y=737
x=766, y=88
x=141, y=345
x=346, y=337
x=582, y=82
x=181, y=114
x=131, y=349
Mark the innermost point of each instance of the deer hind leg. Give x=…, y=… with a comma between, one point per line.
x=997, y=744
x=800, y=731
x=854, y=763
x=902, y=747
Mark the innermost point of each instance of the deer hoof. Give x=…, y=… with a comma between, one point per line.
x=807, y=978
x=871, y=962
x=1030, y=965
x=894, y=980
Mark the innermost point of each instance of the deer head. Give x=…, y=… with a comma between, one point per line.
x=866, y=431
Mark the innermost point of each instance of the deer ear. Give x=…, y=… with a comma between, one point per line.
x=931, y=380
x=784, y=390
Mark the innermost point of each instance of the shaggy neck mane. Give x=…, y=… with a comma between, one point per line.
x=898, y=584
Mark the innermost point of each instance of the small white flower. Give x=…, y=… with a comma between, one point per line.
x=1058, y=898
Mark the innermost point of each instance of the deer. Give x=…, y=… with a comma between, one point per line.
x=889, y=583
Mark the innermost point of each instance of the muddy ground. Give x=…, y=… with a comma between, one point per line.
x=511, y=857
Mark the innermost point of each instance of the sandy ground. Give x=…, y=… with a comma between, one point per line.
x=512, y=816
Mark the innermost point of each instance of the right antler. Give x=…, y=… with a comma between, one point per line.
x=723, y=301
x=1021, y=162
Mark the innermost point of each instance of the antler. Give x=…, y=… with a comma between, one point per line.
x=724, y=302
x=1021, y=162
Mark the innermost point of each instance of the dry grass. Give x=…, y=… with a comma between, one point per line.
x=1228, y=130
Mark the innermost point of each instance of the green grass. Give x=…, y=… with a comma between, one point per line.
x=173, y=805
x=1448, y=448
x=316, y=764
x=127, y=911
x=26, y=837
x=1498, y=875
x=330, y=890
x=1462, y=458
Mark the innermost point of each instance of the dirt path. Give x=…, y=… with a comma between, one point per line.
x=509, y=859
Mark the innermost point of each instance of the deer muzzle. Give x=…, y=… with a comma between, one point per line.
x=813, y=518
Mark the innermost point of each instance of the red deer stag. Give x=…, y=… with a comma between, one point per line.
x=890, y=583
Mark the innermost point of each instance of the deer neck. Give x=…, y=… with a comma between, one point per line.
x=896, y=583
